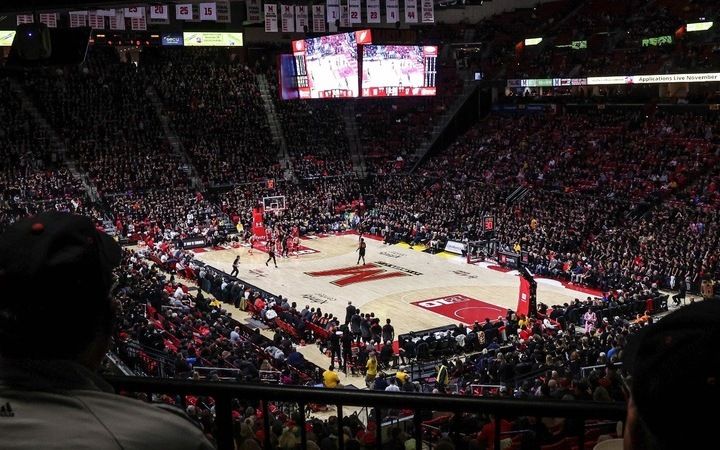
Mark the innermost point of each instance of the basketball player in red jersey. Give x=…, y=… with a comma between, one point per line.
x=296, y=246
x=252, y=240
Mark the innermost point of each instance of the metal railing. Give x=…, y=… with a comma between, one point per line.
x=499, y=408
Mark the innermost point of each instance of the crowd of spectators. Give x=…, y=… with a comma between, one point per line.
x=32, y=175
x=215, y=107
x=109, y=127
x=315, y=135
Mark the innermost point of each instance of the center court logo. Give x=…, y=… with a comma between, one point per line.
x=361, y=274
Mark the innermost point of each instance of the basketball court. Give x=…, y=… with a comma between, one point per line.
x=417, y=290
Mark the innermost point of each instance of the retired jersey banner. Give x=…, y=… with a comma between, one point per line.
x=78, y=19
x=159, y=12
x=208, y=11
x=373, y=11
x=271, y=18
x=184, y=11
x=49, y=19
x=354, y=11
x=344, y=16
x=428, y=11
x=253, y=10
x=318, y=17
x=135, y=12
x=392, y=11
x=301, y=18
x=287, y=18
x=117, y=22
x=333, y=14
x=411, y=15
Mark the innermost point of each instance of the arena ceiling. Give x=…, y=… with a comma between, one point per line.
x=27, y=5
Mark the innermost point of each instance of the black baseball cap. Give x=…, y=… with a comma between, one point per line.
x=675, y=368
x=55, y=272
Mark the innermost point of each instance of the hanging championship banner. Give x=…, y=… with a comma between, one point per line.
x=159, y=12
x=354, y=12
x=411, y=15
x=208, y=11
x=117, y=22
x=105, y=12
x=333, y=14
x=96, y=22
x=428, y=11
x=25, y=18
x=253, y=10
x=373, y=11
x=301, y=18
x=184, y=11
x=344, y=17
x=78, y=19
x=138, y=24
x=134, y=12
x=271, y=18
x=318, y=24
x=392, y=11
x=49, y=19
x=287, y=18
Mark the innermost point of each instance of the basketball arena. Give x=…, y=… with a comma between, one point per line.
x=355, y=224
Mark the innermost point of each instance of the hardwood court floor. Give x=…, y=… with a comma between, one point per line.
x=448, y=289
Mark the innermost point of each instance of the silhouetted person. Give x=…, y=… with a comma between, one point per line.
x=56, y=319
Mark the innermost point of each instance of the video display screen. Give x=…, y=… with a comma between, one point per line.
x=327, y=66
x=288, y=77
x=398, y=70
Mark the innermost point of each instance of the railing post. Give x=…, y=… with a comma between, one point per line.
x=266, y=424
x=341, y=441
x=303, y=431
x=417, y=423
x=223, y=420
x=378, y=428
